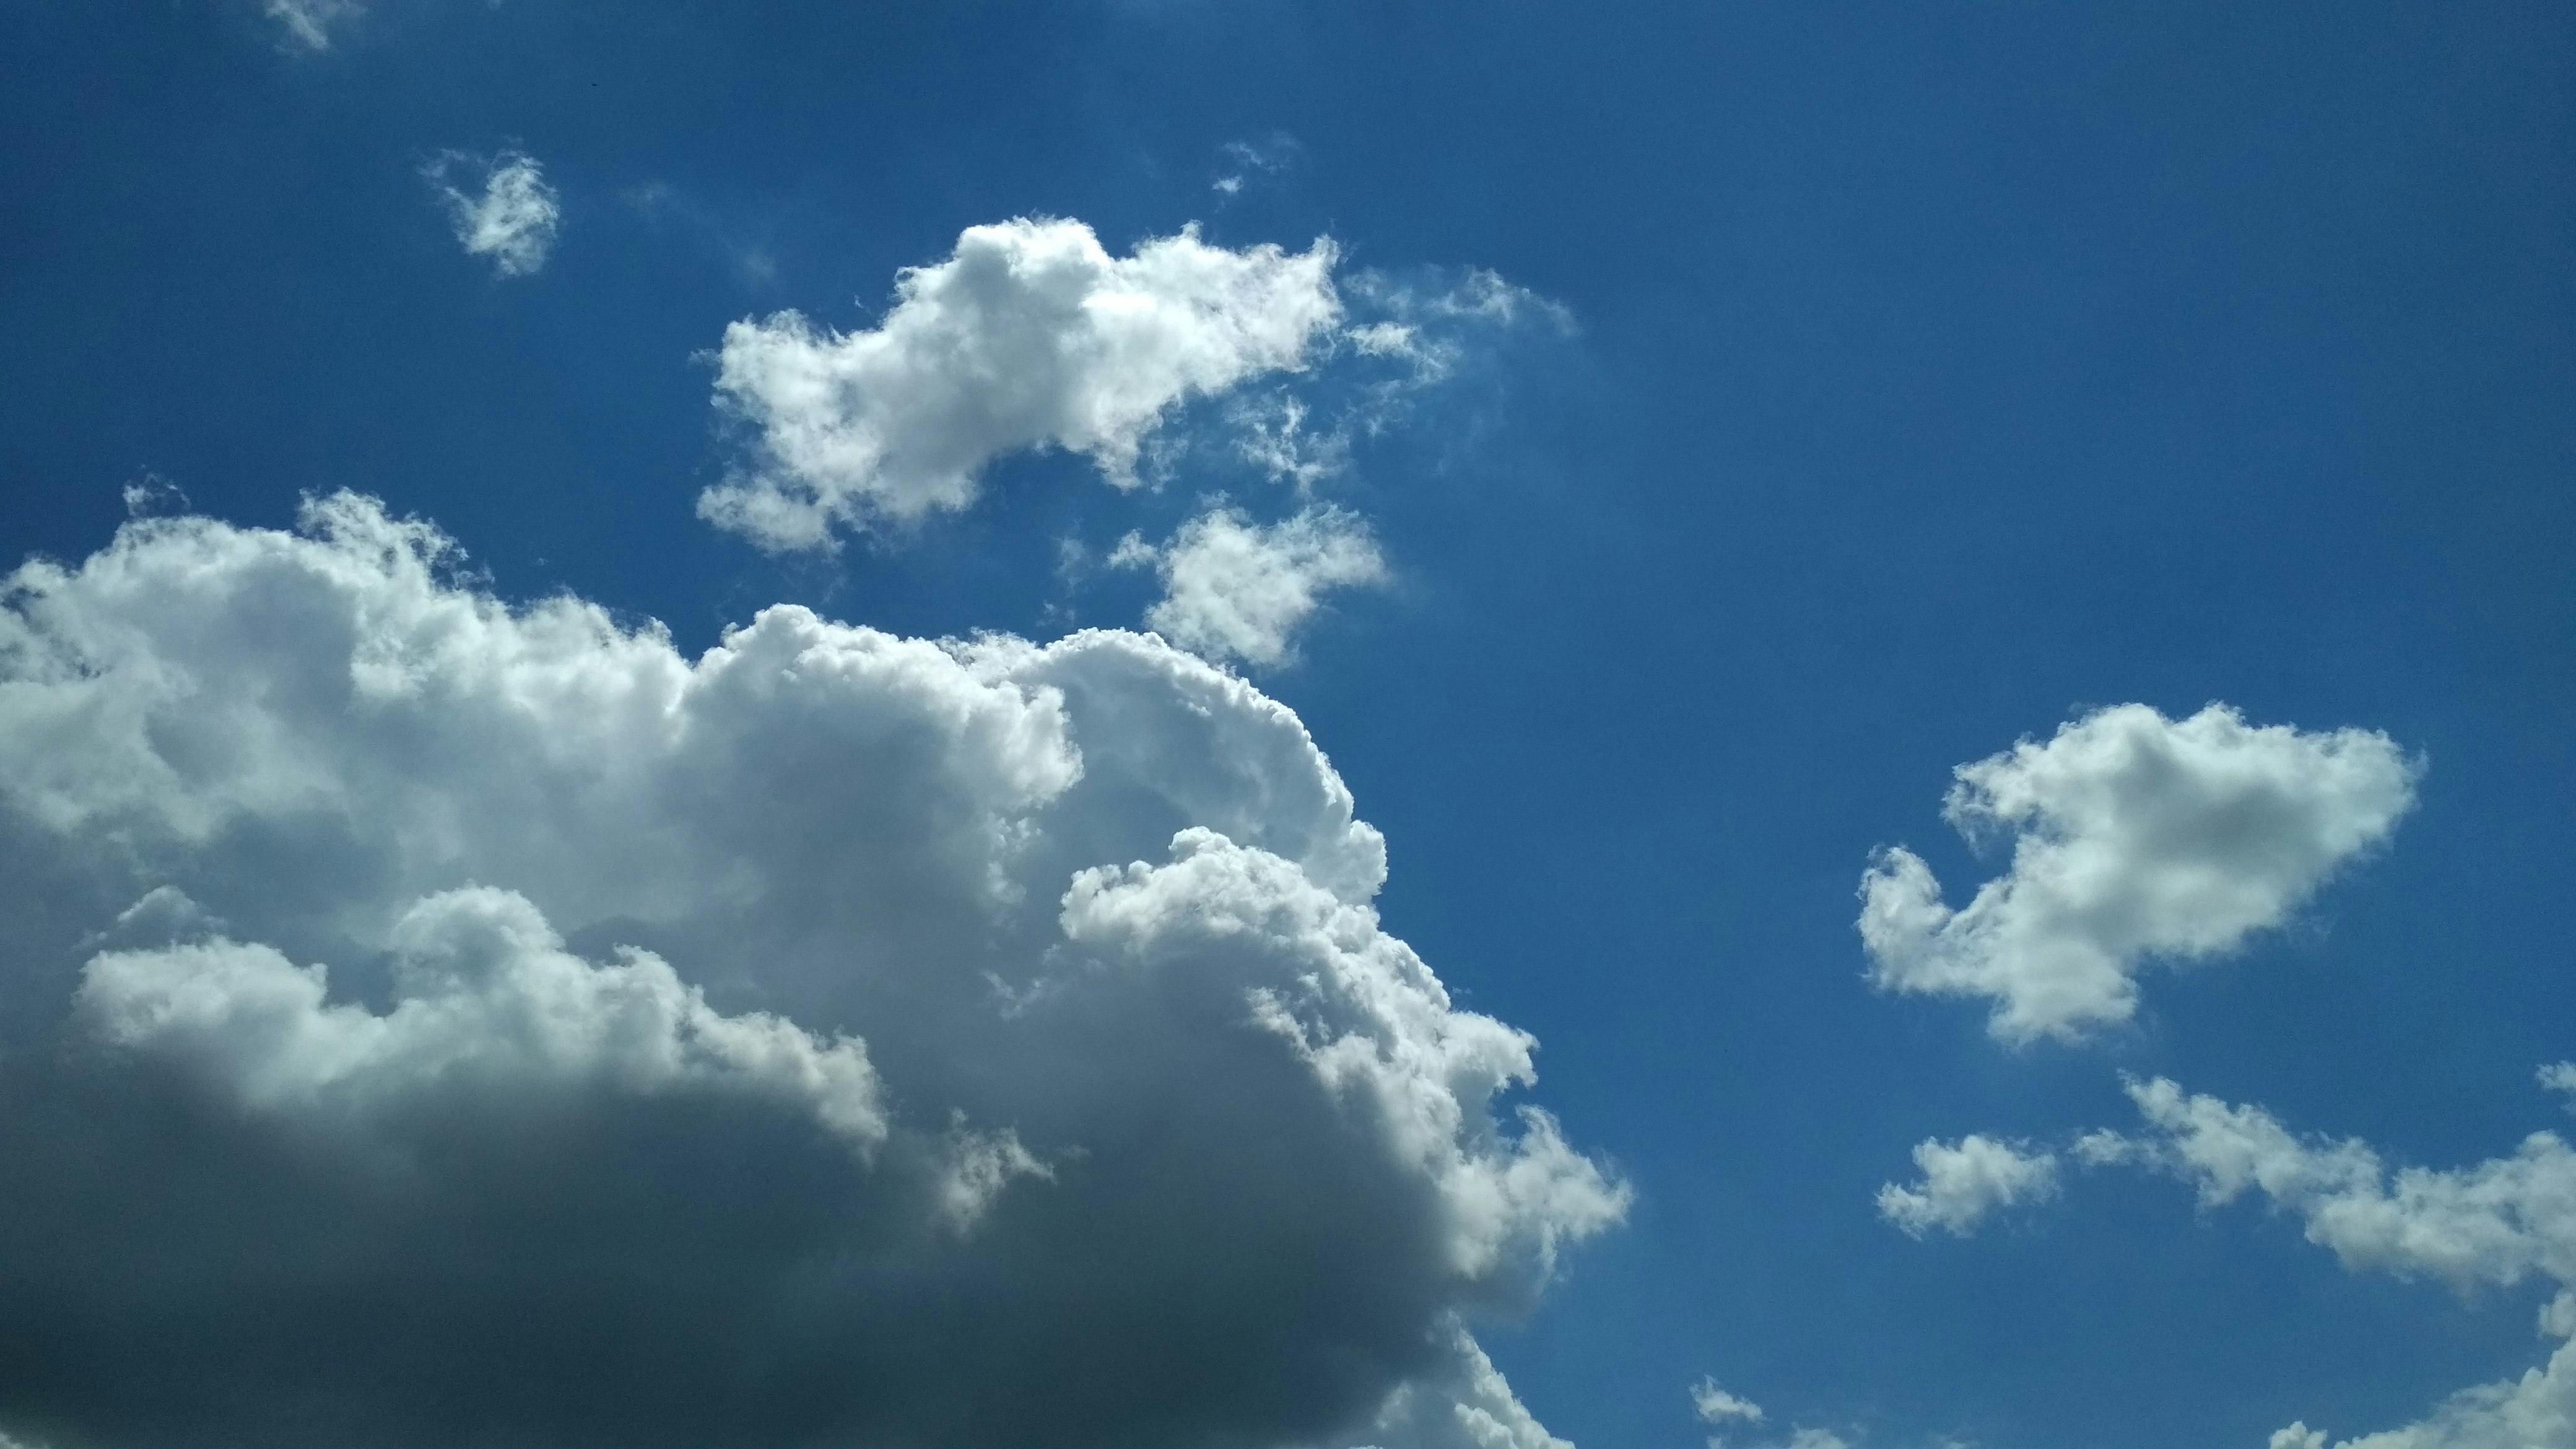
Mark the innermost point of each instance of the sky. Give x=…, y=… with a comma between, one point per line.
x=1230, y=723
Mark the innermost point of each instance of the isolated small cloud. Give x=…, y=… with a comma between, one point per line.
x=504, y=211
x=2499, y=1222
x=2136, y=839
x=309, y=23
x=1031, y=335
x=1716, y=1406
x=2561, y=1077
x=1240, y=590
x=1965, y=1182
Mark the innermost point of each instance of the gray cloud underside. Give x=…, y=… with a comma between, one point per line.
x=423, y=1021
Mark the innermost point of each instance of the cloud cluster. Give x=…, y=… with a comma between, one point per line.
x=2498, y=1222
x=1236, y=589
x=2136, y=839
x=506, y=211
x=1720, y=1409
x=424, y=1020
x=1965, y=1182
x=1030, y=335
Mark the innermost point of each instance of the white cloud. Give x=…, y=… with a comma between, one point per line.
x=1460, y=1403
x=1965, y=1182
x=511, y=215
x=2136, y=839
x=1031, y=335
x=1245, y=160
x=2497, y=1222
x=2535, y=1411
x=1716, y=1406
x=854, y=1038
x=2561, y=1077
x=309, y=23
x=1235, y=589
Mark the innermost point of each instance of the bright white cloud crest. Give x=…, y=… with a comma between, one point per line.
x=2136, y=839
x=1031, y=335
x=511, y=215
x=836, y=1036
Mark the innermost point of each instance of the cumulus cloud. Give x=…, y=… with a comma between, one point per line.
x=2561, y=1077
x=1030, y=335
x=426, y=1020
x=506, y=211
x=1236, y=589
x=1965, y=1182
x=2136, y=839
x=309, y=23
x=2498, y=1222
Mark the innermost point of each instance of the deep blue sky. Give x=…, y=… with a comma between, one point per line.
x=1942, y=371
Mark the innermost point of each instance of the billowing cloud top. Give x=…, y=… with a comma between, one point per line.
x=1031, y=335
x=423, y=1020
x=2135, y=838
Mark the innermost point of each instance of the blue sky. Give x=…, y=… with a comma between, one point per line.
x=1784, y=406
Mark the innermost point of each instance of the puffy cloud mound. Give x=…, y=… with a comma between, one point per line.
x=1236, y=589
x=1030, y=335
x=512, y=215
x=2497, y=1222
x=1964, y=1182
x=2136, y=838
x=424, y=1020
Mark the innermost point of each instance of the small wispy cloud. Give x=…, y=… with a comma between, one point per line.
x=1247, y=161
x=506, y=211
x=308, y=23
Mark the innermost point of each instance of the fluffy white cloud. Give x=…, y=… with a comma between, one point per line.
x=309, y=23
x=2497, y=1222
x=2136, y=839
x=2561, y=1077
x=1966, y=1181
x=1030, y=335
x=831, y=1037
x=1236, y=589
x=510, y=215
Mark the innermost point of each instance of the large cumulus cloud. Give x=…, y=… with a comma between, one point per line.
x=423, y=1020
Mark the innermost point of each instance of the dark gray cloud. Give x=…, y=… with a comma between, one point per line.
x=427, y=1022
